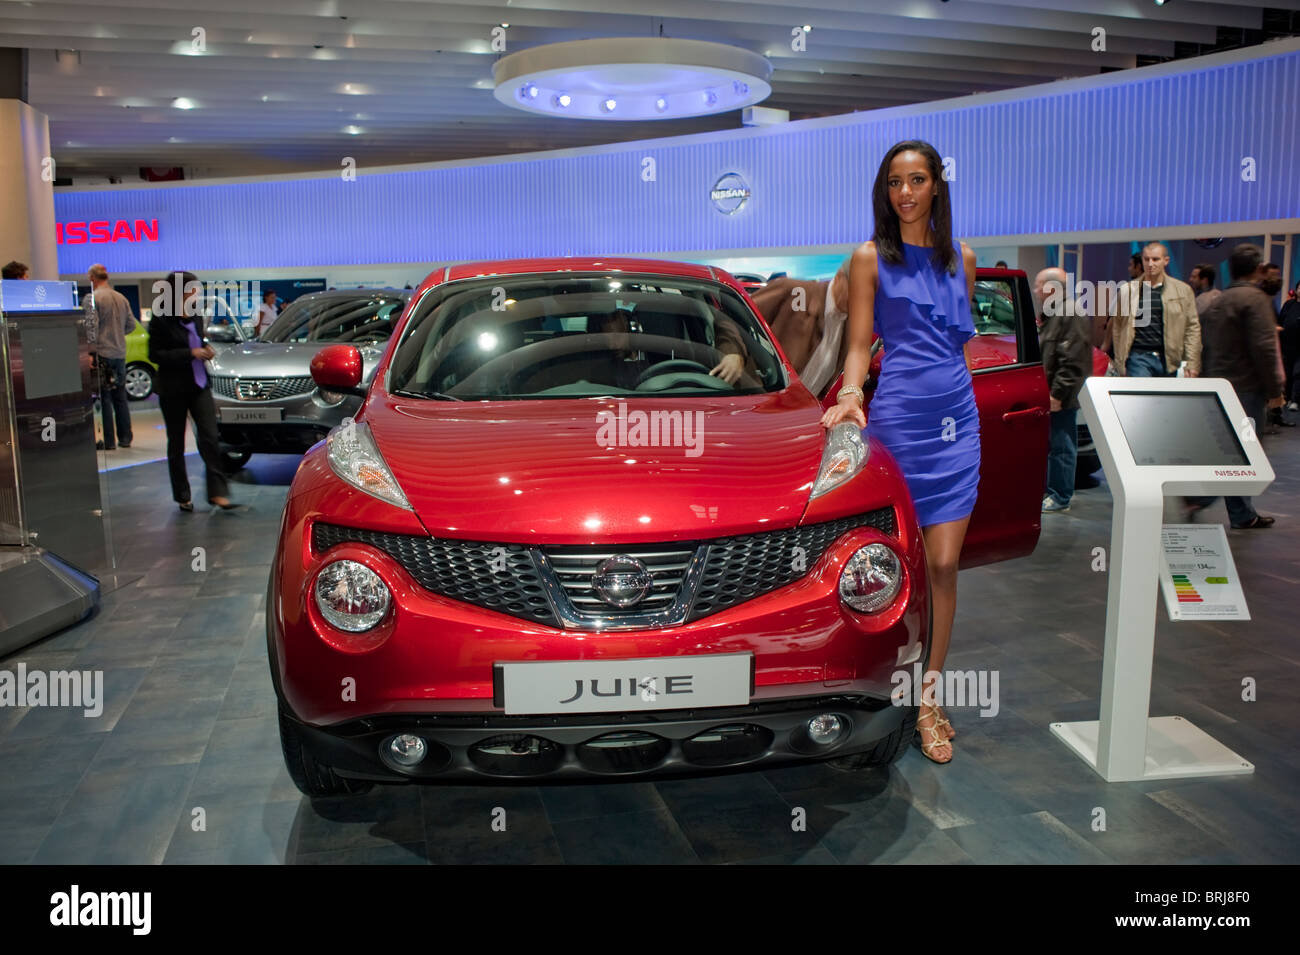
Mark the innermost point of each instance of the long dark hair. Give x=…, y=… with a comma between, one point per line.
x=888, y=236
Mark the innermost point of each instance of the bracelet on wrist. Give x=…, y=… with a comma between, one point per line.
x=853, y=390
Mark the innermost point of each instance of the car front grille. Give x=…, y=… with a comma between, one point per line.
x=553, y=585
x=741, y=568
x=261, y=389
x=575, y=567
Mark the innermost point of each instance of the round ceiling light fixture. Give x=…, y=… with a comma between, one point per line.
x=626, y=78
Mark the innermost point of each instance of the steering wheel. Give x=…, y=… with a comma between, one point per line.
x=669, y=366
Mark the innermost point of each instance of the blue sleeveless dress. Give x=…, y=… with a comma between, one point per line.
x=923, y=409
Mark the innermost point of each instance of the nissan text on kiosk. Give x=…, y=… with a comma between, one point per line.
x=1156, y=437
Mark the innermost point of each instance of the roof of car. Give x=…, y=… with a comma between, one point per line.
x=574, y=264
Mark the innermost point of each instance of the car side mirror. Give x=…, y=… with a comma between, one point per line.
x=222, y=334
x=338, y=368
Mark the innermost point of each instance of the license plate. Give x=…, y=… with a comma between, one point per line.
x=617, y=686
x=250, y=415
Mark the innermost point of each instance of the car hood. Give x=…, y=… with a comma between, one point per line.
x=282, y=359
x=569, y=471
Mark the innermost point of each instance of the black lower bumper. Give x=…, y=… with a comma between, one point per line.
x=503, y=748
x=272, y=438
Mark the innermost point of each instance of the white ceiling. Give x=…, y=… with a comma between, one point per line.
x=272, y=94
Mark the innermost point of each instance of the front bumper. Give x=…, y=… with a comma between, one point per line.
x=502, y=748
x=304, y=420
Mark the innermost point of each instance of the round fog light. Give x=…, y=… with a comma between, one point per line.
x=407, y=749
x=825, y=728
x=351, y=596
x=871, y=579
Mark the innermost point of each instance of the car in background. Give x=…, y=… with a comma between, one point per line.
x=265, y=398
x=554, y=544
x=141, y=373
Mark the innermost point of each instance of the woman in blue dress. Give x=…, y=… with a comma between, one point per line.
x=912, y=285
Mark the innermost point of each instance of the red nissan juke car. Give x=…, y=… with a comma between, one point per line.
x=587, y=523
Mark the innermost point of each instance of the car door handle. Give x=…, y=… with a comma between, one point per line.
x=1011, y=417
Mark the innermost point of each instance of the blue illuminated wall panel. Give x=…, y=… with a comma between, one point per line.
x=1158, y=149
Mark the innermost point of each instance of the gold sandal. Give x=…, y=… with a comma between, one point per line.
x=943, y=724
x=938, y=739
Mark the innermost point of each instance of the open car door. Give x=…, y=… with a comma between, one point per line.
x=1012, y=396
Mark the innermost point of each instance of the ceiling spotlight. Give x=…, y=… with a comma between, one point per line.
x=353, y=130
x=505, y=26
x=807, y=28
x=183, y=102
x=661, y=104
x=609, y=104
x=562, y=100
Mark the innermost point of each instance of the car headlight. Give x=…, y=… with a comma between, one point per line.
x=354, y=457
x=843, y=457
x=871, y=579
x=351, y=596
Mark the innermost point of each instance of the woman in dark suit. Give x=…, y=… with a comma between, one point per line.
x=176, y=346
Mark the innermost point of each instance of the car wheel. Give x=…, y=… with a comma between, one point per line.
x=232, y=460
x=884, y=752
x=139, y=381
x=311, y=777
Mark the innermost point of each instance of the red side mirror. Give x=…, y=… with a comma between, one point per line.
x=337, y=367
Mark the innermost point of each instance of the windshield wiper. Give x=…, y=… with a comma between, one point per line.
x=436, y=395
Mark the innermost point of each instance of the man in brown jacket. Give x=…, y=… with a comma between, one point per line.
x=1156, y=329
x=1241, y=345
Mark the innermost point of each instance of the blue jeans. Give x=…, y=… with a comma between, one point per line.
x=1240, y=509
x=113, y=404
x=1145, y=364
x=1063, y=452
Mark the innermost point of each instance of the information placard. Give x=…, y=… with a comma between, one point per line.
x=1197, y=576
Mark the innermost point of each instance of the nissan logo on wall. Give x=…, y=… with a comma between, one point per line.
x=729, y=193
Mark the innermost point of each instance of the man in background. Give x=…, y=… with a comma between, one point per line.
x=1156, y=330
x=15, y=270
x=109, y=320
x=1202, y=282
x=1066, y=339
x=1270, y=283
x=1241, y=336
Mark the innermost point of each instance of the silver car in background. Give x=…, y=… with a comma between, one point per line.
x=265, y=397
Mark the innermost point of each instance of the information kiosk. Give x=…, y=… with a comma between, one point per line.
x=1156, y=437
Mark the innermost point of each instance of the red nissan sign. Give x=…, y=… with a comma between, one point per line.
x=102, y=230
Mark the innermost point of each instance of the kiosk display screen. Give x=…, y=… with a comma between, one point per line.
x=1170, y=430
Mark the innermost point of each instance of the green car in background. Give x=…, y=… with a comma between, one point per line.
x=141, y=372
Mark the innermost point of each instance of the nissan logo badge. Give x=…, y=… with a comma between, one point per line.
x=621, y=581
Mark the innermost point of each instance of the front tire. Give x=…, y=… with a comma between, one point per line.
x=886, y=751
x=311, y=777
x=139, y=381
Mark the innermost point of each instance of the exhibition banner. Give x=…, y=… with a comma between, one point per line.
x=1197, y=576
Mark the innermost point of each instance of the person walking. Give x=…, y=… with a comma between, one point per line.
x=109, y=320
x=184, y=391
x=913, y=285
x=1065, y=336
x=1156, y=330
x=1241, y=336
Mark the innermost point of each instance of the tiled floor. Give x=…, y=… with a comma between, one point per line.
x=184, y=764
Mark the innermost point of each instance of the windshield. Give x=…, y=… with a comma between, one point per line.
x=583, y=335
x=365, y=317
